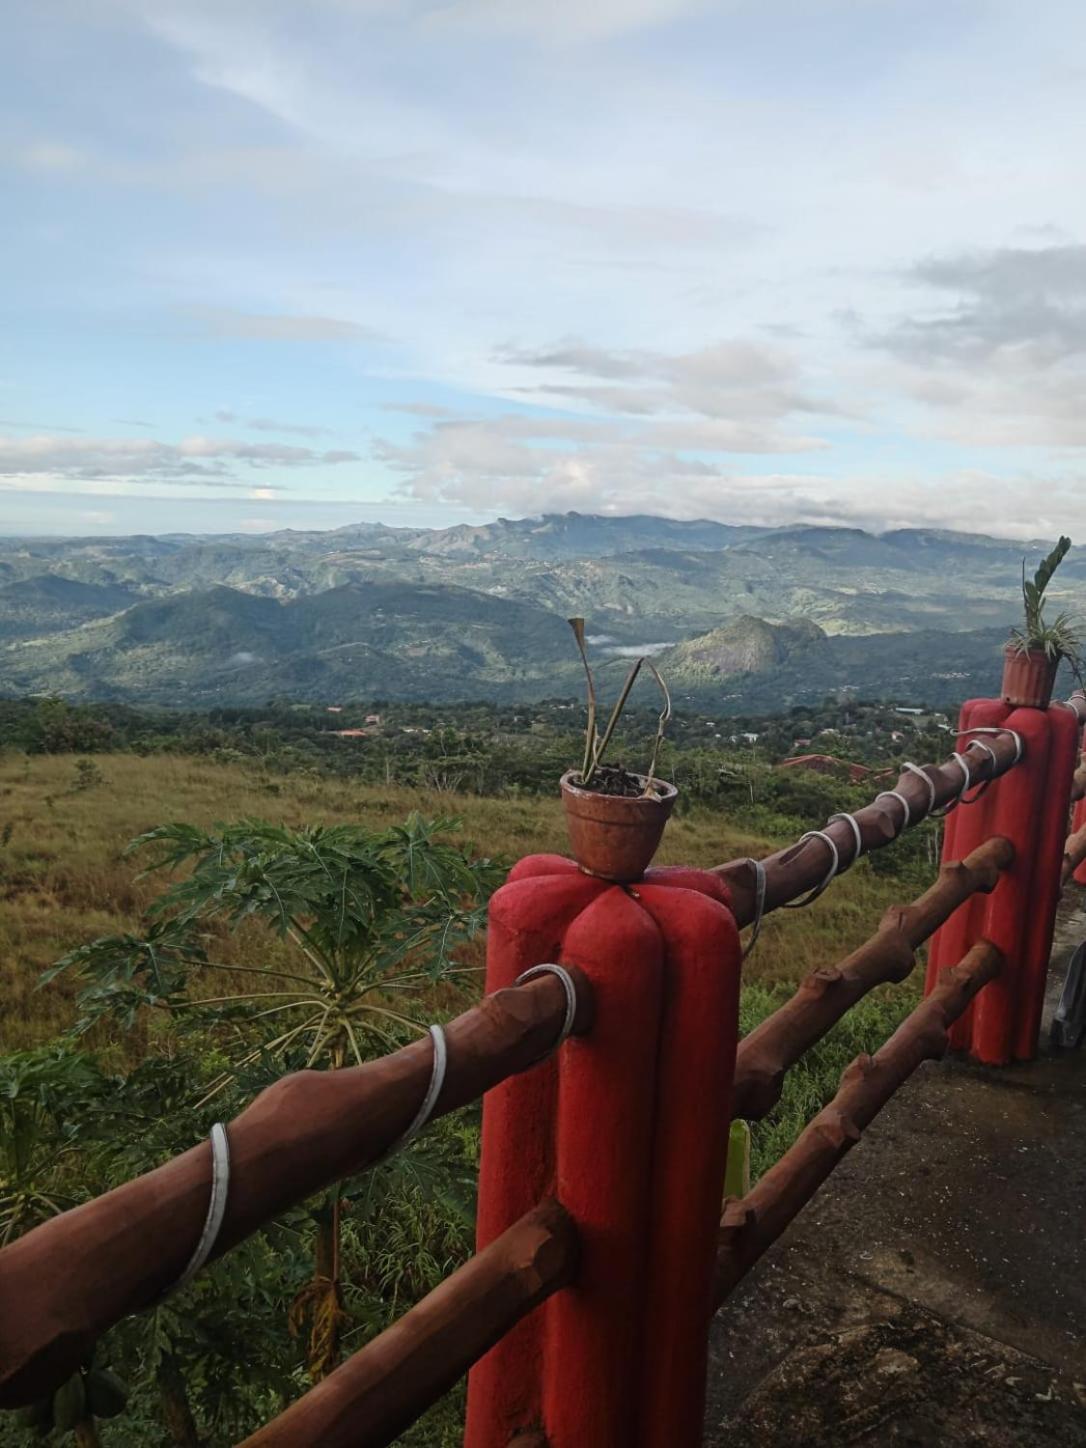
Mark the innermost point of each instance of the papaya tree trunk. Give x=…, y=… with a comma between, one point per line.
x=326, y=1319
x=174, y=1401
x=321, y=1301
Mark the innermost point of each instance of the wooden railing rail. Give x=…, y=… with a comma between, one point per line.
x=753, y=1223
x=383, y=1388
x=64, y=1283
x=791, y=872
x=773, y=1047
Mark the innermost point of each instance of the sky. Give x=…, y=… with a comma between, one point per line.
x=301, y=263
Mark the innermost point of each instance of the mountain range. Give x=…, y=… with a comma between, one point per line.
x=736, y=614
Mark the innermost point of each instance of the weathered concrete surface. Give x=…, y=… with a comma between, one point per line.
x=934, y=1292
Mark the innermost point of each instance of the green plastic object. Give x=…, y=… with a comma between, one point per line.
x=737, y=1171
x=70, y=1404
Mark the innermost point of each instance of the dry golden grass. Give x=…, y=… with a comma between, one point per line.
x=64, y=878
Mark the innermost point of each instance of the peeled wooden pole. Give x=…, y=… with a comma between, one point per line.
x=773, y=1047
x=382, y=1389
x=1074, y=855
x=791, y=872
x=753, y=1223
x=68, y=1280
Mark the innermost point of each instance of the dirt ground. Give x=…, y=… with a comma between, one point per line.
x=934, y=1292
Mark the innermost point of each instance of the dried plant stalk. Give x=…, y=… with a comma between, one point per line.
x=577, y=625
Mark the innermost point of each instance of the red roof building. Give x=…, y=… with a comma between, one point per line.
x=827, y=764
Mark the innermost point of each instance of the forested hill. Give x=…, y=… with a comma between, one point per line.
x=744, y=614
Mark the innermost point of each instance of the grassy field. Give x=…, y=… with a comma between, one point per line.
x=64, y=878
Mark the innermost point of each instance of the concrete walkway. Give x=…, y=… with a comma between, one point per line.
x=934, y=1292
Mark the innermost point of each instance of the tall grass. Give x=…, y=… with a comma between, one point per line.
x=64, y=878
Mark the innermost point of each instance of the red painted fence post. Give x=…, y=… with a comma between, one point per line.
x=628, y=1127
x=1029, y=805
x=1078, y=822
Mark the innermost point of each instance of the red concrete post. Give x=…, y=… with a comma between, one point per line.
x=628, y=1128
x=1029, y=806
x=1078, y=822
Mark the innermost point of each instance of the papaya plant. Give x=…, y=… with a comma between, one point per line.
x=48, y=1120
x=362, y=921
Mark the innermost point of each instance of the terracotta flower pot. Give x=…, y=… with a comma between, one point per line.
x=1028, y=678
x=613, y=836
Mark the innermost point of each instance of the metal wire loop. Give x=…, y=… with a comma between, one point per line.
x=216, y=1207
x=835, y=866
x=985, y=784
x=759, y=903
x=967, y=784
x=857, y=836
x=907, y=816
x=429, y=1101
x=997, y=729
x=915, y=769
x=548, y=968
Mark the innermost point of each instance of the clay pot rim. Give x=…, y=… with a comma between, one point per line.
x=1011, y=650
x=663, y=792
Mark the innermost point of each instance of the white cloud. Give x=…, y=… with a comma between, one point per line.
x=192, y=460
x=618, y=480
x=1016, y=303
x=994, y=351
x=735, y=380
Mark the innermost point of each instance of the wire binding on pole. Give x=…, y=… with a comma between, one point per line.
x=835, y=866
x=759, y=903
x=857, y=836
x=216, y=1207
x=915, y=769
x=967, y=783
x=985, y=783
x=429, y=1101
x=907, y=815
x=997, y=729
x=549, y=968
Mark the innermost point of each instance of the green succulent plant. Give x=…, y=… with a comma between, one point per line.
x=1058, y=639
